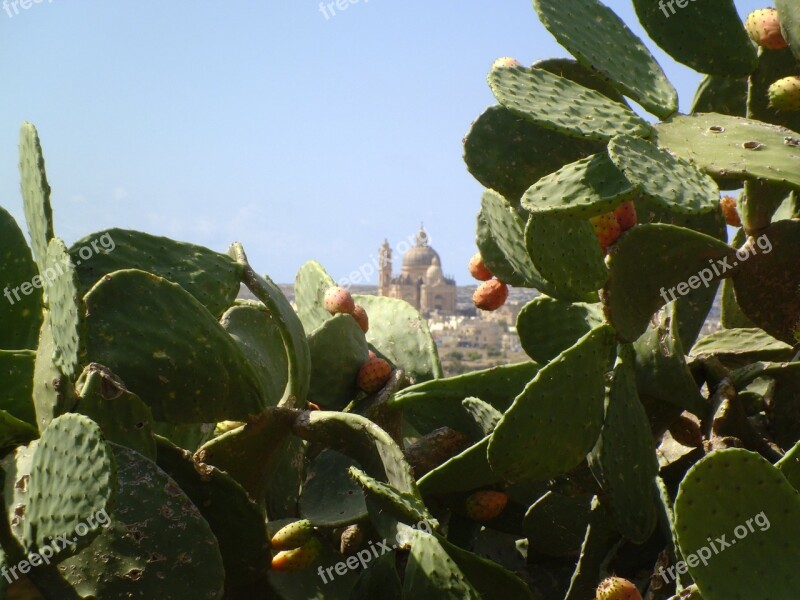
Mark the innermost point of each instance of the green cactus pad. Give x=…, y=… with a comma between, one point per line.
x=122, y=416
x=359, y=438
x=485, y=415
x=548, y=326
x=64, y=493
x=338, y=350
x=672, y=181
x=492, y=581
x=599, y=541
x=407, y=508
x=401, y=335
x=790, y=466
x=585, y=188
x=431, y=404
x=310, y=285
x=52, y=391
x=537, y=438
x=14, y=432
x=292, y=332
x=745, y=345
x=722, y=95
x=212, y=278
x=431, y=573
x=567, y=253
x=611, y=49
x=626, y=455
x=287, y=471
x=673, y=255
x=248, y=454
x=508, y=153
x=789, y=16
x=586, y=76
x=330, y=497
x=237, y=522
x=16, y=384
x=661, y=370
x=35, y=192
x=687, y=34
x=463, y=472
x=157, y=546
x=501, y=241
x=380, y=580
x=559, y=104
x=169, y=350
x=64, y=301
x=752, y=489
x=555, y=524
x=20, y=313
x=258, y=335
x=768, y=284
x=731, y=148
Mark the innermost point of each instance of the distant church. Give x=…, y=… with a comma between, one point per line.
x=421, y=282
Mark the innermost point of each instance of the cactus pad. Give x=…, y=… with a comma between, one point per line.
x=684, y=33
x=310, y=285
x=330, y=497
x=35, y=192
x=212, y=278
x=52, y=391
x=675, y=182
x=537, y=438
x=463, y=472
x=789, y=15
x=556, y=524
x=431, y=573
x=610, y=48
x=559, y=104
x=548, y=326
x=21, y=314
x=169, y=350
x=722, y=95
x=759, y=521
x=407, y=508
x=63, y=299
x=16, y=384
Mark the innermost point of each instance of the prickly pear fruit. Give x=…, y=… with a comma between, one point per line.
x=764, y=29
x=374, y=374
x=338, y=300
x=625, y=214
x=728, y=205
x=297, y=559
x=360, y=315
x=505, y=62
x=606, y=228
x=292, y=535
x=477, y=269
x=352, y=540
x=784, y=94
x=226, y=426
x=490, y=295
x=485, y=505
x=617, y=588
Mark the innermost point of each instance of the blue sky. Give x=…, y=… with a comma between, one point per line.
x=264, y=122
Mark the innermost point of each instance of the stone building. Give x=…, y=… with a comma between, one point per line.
x=421, y=282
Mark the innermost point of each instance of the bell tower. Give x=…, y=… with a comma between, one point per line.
x=385, y=268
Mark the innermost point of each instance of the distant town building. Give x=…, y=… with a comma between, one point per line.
x=421, y=282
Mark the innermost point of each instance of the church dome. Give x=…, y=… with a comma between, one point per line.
x=434, y=273
x=421, y=255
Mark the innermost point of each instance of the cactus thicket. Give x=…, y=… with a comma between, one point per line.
x=250, y=449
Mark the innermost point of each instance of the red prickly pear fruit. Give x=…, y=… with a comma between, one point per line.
x=338, y=300
x=292, y=535
x=360, y=315
x=764, y=28
x=506, y=62
x=490, y=295
x=625, y=214
x=617, y=588
x=784, y=94
x=606, y=228
x=297, y=559
x=477, y=269
x=728, y=204
x=485, y=505
x=374, y=374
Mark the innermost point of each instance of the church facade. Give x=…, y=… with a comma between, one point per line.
x=421, y=281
